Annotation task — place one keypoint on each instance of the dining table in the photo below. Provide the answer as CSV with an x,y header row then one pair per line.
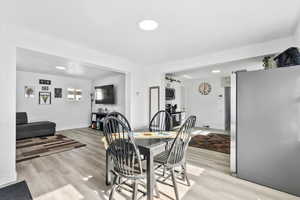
x,y
149,144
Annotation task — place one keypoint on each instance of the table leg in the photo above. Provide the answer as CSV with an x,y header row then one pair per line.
x,y
108,168
150,176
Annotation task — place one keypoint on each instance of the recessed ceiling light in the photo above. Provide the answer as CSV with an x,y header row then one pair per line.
x,y
60,67
148,25
215,71
187,76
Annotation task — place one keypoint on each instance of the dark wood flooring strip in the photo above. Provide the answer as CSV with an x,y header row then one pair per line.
x,y
27,158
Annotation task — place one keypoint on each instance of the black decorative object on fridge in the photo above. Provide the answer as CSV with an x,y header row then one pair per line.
x,y
289,57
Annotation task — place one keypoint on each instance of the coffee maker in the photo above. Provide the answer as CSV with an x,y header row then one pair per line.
x,y
169,108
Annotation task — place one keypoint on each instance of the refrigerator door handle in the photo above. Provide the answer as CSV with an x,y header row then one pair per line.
x,y
233,125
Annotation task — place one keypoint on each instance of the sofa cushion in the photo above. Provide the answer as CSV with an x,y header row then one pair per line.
x,y
35,129
37,125
21,118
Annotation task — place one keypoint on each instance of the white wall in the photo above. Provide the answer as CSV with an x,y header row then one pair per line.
x,y
7,105
209,109
297,35
66,114
119,87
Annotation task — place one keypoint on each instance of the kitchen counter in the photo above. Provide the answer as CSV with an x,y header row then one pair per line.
x,y
177,112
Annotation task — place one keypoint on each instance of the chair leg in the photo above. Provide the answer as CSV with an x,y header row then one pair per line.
x,y
135,190
156,189
185,174
119,180
175,184
187,180
113,187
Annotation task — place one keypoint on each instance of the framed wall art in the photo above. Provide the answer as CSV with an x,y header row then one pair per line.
x,y
44,82
57,92
44,88
74,94
29,92
45,98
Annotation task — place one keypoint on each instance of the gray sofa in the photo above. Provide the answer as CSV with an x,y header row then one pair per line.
x,y
35,129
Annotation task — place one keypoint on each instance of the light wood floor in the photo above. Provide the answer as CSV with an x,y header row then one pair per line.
x,y
80,175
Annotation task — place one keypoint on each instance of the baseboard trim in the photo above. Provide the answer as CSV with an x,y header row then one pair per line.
x,y
72,127
7,180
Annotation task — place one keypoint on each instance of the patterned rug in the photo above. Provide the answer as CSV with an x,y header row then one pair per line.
x,y
42,146
212,141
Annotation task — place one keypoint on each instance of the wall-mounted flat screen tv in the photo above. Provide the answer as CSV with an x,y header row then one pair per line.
x,y
105,94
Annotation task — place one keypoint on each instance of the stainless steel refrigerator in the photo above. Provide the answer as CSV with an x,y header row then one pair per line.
x,y
266,132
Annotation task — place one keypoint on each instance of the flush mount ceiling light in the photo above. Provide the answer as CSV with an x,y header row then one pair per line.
x,y
187,76
60,67
148,25
215,71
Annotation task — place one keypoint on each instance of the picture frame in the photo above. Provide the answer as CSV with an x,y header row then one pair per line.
x,y
57,92
45,88
29,92
45,98
44,82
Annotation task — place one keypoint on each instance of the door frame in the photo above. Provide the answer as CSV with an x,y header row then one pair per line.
x,y
150,102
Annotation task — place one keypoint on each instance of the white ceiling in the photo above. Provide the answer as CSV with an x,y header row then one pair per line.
x,y
225,68
186,28
32,61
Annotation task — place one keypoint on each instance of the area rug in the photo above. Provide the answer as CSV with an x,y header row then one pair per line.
x,y
42,146
212,141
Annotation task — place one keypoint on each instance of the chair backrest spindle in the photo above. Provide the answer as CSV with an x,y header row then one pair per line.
x,y
180,143
121,146
121,117
161,121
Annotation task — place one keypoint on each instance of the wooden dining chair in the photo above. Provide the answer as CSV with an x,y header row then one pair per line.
x,y
125,156
161,121
121,117
175,156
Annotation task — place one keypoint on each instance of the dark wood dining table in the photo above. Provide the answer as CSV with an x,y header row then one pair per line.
x,y
149,147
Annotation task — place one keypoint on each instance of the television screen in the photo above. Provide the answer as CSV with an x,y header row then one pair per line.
x,y
105,94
